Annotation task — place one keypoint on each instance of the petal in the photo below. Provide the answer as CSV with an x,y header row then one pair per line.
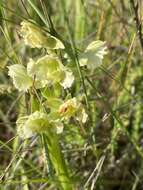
x,y
93,55
23,131
21,80
59,127
81,115
97,46
58,44
68,80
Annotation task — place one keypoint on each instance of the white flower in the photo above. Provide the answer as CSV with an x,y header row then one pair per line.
x,y
93,55
68,108
21,80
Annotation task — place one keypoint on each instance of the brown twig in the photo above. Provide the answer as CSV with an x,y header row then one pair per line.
x,y
138,22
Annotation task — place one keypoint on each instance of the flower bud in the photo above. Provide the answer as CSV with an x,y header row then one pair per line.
x,y
73,108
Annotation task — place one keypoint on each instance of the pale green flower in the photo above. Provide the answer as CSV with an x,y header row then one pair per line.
x,y
47,68
73,108
21,80
37,38
93,55
69,108
35,123
50,70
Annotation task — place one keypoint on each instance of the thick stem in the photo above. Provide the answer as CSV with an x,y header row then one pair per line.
x,y
58,162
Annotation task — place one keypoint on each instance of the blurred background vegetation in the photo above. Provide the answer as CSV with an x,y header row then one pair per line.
x,y
109,156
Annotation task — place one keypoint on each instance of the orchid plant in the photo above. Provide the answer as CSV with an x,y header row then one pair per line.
x,y
44,75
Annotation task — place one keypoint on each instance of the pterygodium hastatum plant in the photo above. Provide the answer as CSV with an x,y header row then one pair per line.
x,y
43,75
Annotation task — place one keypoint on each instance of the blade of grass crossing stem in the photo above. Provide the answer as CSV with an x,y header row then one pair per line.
x,y
17,163
49,25
96,169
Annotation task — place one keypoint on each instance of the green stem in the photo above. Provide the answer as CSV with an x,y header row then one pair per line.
x,y
57,160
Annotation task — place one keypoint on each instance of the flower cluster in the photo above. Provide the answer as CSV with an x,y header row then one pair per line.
x,y
50,71
46,70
